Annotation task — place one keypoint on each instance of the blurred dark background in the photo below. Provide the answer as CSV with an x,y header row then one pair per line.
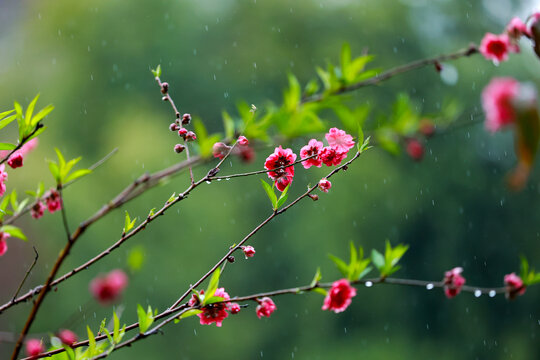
x,y
92,60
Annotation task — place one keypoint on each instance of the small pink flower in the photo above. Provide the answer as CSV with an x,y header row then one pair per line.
x,y
15,160
313,147
54,201
67,337
453,282
34,347
415,149
496,47
182,133
339,140
220,150
107,289
249,251
3,243
514,286
325,185
266,307
242,140
3,179
234,308
281,157
516,28
497,99
37,210
339,296
331,157
214,313
245,153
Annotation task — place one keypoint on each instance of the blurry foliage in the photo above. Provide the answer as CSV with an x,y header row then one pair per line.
x,y
92,62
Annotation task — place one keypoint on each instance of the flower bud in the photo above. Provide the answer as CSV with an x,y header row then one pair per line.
x,y
178,148
174,127
182,132
314,197
164,87
249,251
190,136
186,118
230,259
242,140
415,149
325,185
165,98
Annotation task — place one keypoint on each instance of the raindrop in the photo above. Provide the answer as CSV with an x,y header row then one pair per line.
x,y
88,48
369,284
255,65
227,179
218,179
430,286
492,293
208,182
195,332
477,293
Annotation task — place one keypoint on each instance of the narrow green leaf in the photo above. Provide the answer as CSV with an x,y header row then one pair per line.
x,y
213,299
212,285
61,160
341,265
13,231
228,125
5,122
172,198
13,199
41,114
145,318
7,146
321,291
37,133
30,110
6,113
53,167
378,259
189,313
271,194
317,277
91,342
136,257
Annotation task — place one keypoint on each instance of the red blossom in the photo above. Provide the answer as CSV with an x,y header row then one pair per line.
x,y
331,157
339,296
496,47
34,347
516,28
339,140
107,289
15,160
220,150
312,148
415,149
3,242
266,307
67,337
37,210
453,282
242,140
514,286
245,153
281,157
234,308
54,201
213,313
325,185
249,251
497,99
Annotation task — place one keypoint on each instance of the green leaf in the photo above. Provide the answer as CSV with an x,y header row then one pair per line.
x,y
345,58
213,299
6,113
341,265
378,259
7,146
228,125
271,194
320,291
291,96
78,174
41,114
128,223
316,278
136,257
172,198
152,212
188,313
157,71
5,122
212,286
283,197
13,231
146,318
91,342
30,110
55,171
37,133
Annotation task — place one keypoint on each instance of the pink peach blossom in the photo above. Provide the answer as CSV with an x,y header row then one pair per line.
x,y
234,308
242,140
453,282
514,285
54,201
15,160
249,251
325,185
213,313
67,337
339,296
331,157
281,157
497,99
496,47
415,149
516,28
312,148
339,140
34,347
37,210
220,150
107,289
266,307
3,243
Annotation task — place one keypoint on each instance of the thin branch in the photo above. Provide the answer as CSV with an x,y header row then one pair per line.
x,y
470,50
27,273
39,125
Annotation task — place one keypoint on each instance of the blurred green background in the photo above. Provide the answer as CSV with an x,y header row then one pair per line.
x,y
91,59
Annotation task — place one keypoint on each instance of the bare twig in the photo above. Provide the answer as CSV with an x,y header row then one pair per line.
x,y
27,273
